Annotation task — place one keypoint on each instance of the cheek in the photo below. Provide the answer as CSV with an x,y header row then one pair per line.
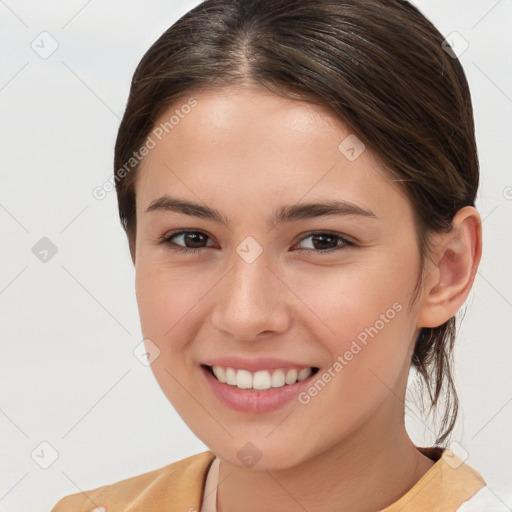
x,y
349,300
361,316
369,354
166,310
166,305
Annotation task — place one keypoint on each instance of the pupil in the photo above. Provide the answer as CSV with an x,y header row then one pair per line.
x,y
193,235
322,239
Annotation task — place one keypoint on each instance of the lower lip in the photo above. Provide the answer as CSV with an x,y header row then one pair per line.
x,y
245,400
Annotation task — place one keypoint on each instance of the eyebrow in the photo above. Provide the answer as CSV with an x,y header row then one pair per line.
x,y
287,213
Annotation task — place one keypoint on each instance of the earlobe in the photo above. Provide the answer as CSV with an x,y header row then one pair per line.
x,y
458,256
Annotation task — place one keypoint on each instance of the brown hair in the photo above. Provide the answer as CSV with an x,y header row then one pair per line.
x,y
378,65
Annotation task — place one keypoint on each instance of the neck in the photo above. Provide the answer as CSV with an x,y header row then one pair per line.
x,y
368,471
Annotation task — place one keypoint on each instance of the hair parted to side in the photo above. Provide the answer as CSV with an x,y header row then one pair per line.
x,y
378,65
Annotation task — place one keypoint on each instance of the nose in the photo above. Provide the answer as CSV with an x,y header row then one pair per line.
x,y
251,301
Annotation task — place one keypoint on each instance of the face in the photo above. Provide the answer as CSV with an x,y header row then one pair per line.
x,y
266,287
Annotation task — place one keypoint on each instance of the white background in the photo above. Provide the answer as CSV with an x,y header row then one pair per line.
x,y
68,326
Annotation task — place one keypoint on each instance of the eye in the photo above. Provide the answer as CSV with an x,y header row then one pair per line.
x,y
323,242
195,239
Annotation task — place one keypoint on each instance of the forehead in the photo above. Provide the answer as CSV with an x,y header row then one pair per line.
x,y
259,147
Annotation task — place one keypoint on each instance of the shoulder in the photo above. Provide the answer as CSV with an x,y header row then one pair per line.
x,y
488,500
177,486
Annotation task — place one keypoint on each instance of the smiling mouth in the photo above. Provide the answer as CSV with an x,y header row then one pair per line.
x,y
260,380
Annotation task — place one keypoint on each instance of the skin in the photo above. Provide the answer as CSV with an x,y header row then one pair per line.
x,y
246,152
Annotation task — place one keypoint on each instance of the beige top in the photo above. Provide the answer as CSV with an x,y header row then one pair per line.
x,y
209,503
190,485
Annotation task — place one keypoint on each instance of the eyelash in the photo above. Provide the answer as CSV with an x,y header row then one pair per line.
x,y
166,240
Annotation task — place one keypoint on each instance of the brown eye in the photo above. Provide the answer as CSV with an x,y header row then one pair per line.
x,y
186,241
325,242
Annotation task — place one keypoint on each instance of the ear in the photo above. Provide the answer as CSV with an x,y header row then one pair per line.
x,y
455,262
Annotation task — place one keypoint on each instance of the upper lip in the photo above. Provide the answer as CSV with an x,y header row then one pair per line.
x,y
255,363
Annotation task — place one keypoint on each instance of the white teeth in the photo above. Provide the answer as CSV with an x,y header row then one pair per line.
x,y
219,373
304,374
262,379
278,378
243,379
230,376
291,376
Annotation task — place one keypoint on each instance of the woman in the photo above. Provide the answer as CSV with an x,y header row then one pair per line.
x,y
297,181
